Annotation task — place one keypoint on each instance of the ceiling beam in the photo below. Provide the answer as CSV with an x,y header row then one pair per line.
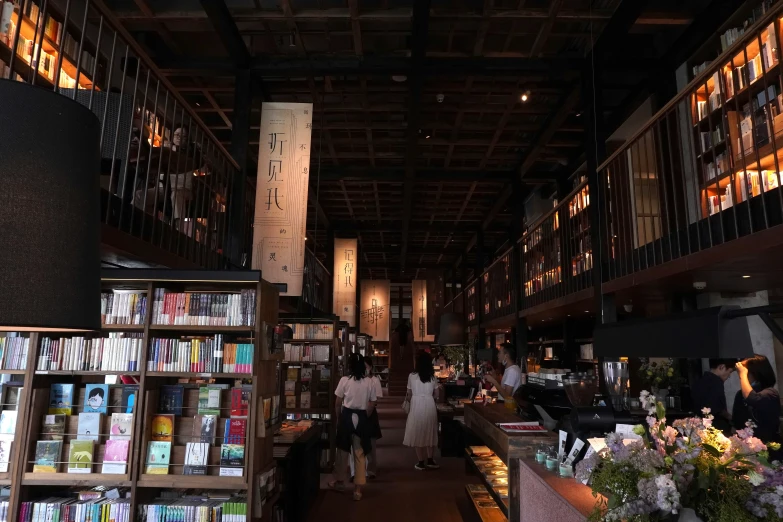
x,y
420,27
227,31
160,27
546,28
429,226
397,175
313,196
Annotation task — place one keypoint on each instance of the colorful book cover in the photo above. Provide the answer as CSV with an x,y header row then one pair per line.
x,y
130,395
163,428
53,427
290,387
307,374
89,427
292,374
80,456
96,397
232,460
304,399
171,397
290,401
209,400
8,424
267,410
61,399
325,373
5,454
196,454
47,456
121,425
205,428
115,457
158,456
240,399
237,428
275,408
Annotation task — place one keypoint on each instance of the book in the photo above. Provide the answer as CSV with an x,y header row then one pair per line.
x,y
290,401
290,387
96,398
115,457
130,394
8,424
171,397
240,401
307,374
275,409
118,352
205,428
521,427
209,400
89,427
121,425
305,387
158,456
196,454
80,456
304,399
61,399
292,374
267,411
53,427
5,454
47,456
162,427
235,434
232,460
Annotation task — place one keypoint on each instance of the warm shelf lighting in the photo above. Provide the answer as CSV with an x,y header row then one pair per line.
x,y
746,277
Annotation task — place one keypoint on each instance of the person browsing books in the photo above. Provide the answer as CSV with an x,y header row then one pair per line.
x,y
356,398
512,375
375,425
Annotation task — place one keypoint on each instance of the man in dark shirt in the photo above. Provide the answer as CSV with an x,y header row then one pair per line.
x,y
708,393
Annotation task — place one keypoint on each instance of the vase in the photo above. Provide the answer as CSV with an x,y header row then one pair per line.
x,y
660,395
688,515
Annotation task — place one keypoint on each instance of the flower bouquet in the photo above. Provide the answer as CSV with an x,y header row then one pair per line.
x,y
660,374
688,465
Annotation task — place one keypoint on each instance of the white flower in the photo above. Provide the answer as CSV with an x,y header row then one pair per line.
x,y
755,478
705,411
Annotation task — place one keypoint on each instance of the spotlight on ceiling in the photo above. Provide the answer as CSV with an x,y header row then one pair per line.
x,y
399,78
525,96
746,277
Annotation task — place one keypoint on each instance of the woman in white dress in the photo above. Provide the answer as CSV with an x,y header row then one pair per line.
x,y
421,429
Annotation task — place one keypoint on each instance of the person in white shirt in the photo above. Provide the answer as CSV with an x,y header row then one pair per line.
x,y
355,402
512,375
375,425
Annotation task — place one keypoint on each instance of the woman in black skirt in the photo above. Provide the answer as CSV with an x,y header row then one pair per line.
x,y
375,425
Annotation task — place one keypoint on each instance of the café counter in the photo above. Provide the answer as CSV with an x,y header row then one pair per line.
x,y
535,494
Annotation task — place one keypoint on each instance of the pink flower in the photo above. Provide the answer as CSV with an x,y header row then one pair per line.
x,y
669,435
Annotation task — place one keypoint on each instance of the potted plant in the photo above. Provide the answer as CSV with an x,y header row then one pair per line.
x,y
686,471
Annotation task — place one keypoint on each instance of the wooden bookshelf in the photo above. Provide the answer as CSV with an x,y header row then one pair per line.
x,y
33,404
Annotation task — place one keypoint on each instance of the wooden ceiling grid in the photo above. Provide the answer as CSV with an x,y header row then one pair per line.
x,y
413,177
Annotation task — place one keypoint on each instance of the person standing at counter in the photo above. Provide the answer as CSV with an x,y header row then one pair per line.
x,y
758,400
709,393
512,374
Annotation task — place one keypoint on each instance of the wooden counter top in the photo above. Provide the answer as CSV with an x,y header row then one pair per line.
x,y
577,495
483,420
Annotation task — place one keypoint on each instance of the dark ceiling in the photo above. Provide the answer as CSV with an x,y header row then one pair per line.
x,y
420,181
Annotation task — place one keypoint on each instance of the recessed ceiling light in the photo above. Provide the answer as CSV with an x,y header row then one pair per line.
x,y
746,277
198,104
399,78
587,311
427,137
525,96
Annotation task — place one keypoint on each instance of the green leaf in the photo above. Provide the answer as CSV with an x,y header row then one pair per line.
x,y
660,410
712,450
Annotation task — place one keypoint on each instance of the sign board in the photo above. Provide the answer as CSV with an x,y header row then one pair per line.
x,y
419,316
375,309
345,272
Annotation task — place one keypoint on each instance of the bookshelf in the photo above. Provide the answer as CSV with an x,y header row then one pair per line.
x,y
84,362
737,121
309,372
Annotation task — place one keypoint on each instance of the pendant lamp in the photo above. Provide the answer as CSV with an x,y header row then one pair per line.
x,y
451,331
49,211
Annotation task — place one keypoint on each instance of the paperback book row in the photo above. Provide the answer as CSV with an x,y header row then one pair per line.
x,y
204,309
123,308
200,355
13,353
306,352
89,431
204,431
318,331
120,352
311,394
66,509
189,509
8,418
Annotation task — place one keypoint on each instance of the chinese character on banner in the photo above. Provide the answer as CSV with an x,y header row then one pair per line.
x,y
281,193
375,316
344,280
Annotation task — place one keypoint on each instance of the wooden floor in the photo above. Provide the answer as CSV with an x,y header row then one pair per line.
x,y
401,493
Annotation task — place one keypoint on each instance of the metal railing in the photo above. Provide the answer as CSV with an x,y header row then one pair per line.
x,y
498,288
164,177
556,251
705,170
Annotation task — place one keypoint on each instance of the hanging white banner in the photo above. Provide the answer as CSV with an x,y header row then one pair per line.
x,y
419,312
281,194
375,309
345,270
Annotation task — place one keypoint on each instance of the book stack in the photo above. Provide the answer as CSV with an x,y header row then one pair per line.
x,y
200,355
195,510
53,29
13,352
318,331
306,352
123,308
202,309
76,510
119,352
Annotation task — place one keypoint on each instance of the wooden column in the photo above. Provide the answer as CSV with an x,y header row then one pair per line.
x,y
240,139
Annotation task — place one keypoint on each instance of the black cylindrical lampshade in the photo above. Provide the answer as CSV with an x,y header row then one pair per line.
x,y
49,211
452,331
